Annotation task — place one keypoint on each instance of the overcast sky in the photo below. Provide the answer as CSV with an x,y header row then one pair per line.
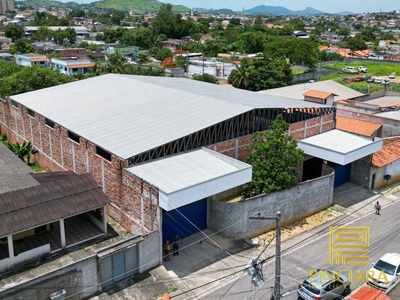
x,y
329,6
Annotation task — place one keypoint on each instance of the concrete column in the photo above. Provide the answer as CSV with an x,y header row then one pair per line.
x,y
104,220
10,246
62,233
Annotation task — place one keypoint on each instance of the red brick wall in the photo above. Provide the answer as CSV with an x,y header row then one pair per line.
x,y
236,148
57,152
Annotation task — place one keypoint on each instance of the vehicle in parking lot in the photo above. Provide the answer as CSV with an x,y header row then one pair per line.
x,y
378,80
367,77
370,79
359,79
390,265
362,69
351,80
351,70
392,76
386,81
324,285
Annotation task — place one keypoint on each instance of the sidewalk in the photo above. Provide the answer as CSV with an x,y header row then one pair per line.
x,y
204,259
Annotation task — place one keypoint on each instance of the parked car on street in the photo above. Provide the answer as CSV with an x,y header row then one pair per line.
x,y
358,79
362,69
370,79
351,80
392,76
378,80
366,77
324,285
386,81
389,264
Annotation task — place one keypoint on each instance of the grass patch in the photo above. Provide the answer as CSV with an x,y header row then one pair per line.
x,y
375,68
37,168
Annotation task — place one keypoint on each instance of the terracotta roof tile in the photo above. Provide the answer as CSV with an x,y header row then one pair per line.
x,y
356,126
389,152
40,59
367,293
82,66
318,94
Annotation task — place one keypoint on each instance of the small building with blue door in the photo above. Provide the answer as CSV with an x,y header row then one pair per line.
x,y
349,155
185,182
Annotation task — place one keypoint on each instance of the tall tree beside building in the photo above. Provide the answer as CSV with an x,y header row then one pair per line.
x,y
274,157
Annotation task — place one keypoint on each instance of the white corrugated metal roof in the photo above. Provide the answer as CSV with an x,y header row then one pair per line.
x,y
186,178
297,91
127,114
339,146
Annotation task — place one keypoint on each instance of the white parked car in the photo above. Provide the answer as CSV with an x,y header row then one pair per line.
x,y
392,76
362,69
378,80
385,271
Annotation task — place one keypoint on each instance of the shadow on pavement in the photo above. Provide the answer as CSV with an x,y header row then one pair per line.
x,y
349,194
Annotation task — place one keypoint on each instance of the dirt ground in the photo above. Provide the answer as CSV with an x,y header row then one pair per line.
x,y
299,226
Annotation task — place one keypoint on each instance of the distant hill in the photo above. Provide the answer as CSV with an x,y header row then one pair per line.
x,y
47,3
224,11
280,10
137,6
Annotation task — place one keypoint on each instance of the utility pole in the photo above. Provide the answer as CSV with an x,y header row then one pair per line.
x,y
277,290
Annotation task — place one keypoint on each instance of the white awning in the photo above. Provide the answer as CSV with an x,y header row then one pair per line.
x,y
339,147
192,176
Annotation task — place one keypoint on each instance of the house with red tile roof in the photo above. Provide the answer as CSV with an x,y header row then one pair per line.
x,y
359,127
319,97
367,293
386,162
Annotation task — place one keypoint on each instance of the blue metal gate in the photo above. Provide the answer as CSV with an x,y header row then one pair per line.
x,y
342,174
184,220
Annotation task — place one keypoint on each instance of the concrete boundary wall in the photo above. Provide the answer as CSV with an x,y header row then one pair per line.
x,y
295,203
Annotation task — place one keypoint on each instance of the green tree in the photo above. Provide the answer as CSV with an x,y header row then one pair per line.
x,y
42,34
297,51
143,37
164,53
250,42
14,32
31,79
21,46
274,157
205,77
356,43
261,73
142,58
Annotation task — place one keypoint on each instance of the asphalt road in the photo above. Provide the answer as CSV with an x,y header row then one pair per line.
x,y
314,254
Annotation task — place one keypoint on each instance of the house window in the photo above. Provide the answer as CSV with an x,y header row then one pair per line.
x,y
103,153
14,103
49,122
30,112
73,136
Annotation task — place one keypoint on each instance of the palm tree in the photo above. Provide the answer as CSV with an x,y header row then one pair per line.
x,y
22,150
239,77
115,64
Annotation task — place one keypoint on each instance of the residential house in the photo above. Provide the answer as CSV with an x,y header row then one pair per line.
x,y
27,233
32,59
385,165
5,43
71,66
